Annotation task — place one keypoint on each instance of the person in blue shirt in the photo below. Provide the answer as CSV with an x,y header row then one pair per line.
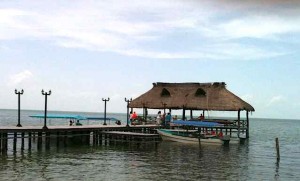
x,y
168,120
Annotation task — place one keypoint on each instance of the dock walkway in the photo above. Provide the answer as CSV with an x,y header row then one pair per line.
x,y
80,135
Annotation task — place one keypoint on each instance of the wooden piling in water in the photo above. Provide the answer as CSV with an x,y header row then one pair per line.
x,y
15,141
33,136
96,138
247,120
277,149
57,139
87,137
65,138
199,139
22,140
1,141
47,140
29,140
4,143
39,142
100,138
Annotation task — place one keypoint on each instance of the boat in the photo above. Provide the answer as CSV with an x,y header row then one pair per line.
x,y
193,136
181,136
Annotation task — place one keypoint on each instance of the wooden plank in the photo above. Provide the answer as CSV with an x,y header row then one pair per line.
x,y
129,133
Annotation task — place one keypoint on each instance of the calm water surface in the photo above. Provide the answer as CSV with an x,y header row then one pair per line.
x,y
255,160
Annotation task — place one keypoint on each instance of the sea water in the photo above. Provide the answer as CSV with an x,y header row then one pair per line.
x,y
254,160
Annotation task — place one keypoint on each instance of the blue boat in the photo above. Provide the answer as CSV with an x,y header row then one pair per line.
x,y
193,136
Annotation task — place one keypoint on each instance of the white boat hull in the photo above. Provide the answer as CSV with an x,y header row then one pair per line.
x,y
189,140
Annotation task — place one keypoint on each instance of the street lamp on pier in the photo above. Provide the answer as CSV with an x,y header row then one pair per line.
x,y
128,101
105,100
45,116
19,105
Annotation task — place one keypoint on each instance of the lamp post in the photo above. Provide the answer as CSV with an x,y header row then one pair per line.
x,y
45,117
105,100
19,105
128,101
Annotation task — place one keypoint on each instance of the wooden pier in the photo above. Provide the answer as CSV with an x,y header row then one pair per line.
x,y
79,135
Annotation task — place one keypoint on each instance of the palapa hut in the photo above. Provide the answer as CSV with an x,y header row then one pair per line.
x,y
192,96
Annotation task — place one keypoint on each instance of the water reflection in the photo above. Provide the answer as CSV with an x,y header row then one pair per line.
x,y
277,170
167,160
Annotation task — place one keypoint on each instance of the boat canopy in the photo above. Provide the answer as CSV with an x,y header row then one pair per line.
x,y
59,116
68,116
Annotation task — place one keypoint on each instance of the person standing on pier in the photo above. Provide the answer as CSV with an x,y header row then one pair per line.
x,y
201,117
158,118
78,123
133,117
130,117
168,120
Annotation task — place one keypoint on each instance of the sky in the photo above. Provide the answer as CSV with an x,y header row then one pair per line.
x,y
84,51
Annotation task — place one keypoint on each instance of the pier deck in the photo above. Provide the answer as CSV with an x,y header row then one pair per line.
x,y
80,135
72,128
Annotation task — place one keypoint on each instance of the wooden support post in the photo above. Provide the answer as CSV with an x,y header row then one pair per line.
x,y
105,139
183,113
144,117
247,131
94,138
239,123
277,149
65,138
1,136
15,141
83,137
97,137
110,139
33,136
47,140
22,140
57,139
29,140
146,114
199,137
39,142
4,143
100,137
87,137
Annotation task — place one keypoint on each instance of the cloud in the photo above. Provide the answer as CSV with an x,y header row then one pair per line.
x,y
20,77
261,27
142,28
275,99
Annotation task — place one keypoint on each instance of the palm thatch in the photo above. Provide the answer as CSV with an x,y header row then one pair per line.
x,y
191,96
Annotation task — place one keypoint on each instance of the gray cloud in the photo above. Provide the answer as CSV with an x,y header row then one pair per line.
x,y
139,28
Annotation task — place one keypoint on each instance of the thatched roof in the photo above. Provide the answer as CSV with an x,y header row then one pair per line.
x,y
194,96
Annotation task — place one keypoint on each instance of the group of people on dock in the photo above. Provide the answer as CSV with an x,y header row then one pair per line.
x,y
164,119
72,123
